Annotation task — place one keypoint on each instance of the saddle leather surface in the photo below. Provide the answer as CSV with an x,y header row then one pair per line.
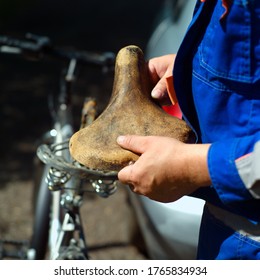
x,y
130,110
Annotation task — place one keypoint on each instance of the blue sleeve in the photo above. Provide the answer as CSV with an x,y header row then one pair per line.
x,y
226,177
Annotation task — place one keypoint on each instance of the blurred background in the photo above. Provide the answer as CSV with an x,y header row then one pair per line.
x,y
83,24
88,24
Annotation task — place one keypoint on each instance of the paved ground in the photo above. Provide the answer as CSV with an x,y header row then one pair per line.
x,y
91,25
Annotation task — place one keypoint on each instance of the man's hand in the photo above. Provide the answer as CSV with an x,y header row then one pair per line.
x,y
167,169
160,68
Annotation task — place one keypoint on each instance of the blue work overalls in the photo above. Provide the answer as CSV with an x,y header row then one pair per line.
x,y
217,82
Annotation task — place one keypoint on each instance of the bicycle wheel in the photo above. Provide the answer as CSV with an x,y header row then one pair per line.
x,y
42,204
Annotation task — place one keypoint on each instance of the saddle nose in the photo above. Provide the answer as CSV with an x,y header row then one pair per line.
x,y
130,110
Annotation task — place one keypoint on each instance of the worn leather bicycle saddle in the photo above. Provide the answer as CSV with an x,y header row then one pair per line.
x,y
130,110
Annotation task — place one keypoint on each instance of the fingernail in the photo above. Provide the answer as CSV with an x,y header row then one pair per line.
x,y
156,93
120,139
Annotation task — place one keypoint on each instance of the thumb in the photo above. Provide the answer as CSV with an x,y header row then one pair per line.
x,y
132,143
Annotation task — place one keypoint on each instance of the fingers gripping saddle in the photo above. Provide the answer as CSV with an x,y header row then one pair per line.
x,y
130,110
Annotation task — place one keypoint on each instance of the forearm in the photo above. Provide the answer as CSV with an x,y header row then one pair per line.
x,y
196,164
